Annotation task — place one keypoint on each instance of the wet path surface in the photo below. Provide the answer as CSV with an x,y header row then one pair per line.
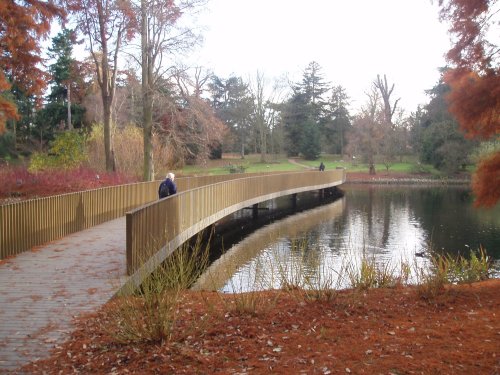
x,y
43,290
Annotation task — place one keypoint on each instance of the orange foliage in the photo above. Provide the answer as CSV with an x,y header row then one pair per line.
x,y
23,25
468,26
474,98
475,102
486,183
8,109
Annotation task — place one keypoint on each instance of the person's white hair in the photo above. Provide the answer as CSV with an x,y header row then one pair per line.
x,y
171,176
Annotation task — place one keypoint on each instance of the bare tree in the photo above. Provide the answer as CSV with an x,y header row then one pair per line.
x,y
367,133
260,114
386,93
161,36
107,24
190,125
264,111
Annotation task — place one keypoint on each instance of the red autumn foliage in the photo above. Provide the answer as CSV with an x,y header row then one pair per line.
x,y
18,182
7,109
475,102
23,25
474,98
486,182
467,25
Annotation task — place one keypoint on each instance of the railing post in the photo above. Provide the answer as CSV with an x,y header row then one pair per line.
x,y
129,238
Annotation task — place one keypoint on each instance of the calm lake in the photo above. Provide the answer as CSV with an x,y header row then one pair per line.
x,y
383,223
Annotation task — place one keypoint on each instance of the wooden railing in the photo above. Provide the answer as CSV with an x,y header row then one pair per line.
x,y
34,222
30,223
157,229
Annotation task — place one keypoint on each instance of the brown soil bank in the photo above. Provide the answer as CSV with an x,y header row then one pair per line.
x,y
379,331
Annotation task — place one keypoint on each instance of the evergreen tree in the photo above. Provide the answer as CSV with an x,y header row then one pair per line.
x,y
26,107
233,104
442,144
60,70
314,88
306,105
294,115
310,146
60,110
338,121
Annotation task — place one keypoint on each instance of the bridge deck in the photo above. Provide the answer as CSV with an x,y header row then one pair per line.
x,y
41,291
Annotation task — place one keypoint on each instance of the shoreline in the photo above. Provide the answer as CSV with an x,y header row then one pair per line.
x,y
402,179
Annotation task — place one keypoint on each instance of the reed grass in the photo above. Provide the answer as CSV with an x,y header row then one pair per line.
x,y
246,298
370,274
308,278
149,313
454,269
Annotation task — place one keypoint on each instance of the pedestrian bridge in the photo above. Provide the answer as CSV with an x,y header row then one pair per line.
x,y
66,255
154,228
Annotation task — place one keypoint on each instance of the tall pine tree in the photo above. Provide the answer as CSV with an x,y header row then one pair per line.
x,y
304,113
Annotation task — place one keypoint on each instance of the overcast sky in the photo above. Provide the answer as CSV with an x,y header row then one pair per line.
x,y
352,40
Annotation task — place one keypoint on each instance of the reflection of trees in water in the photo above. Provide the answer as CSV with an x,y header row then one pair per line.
x,y
452,222
304,252
272,243
373,214
444,215
390,223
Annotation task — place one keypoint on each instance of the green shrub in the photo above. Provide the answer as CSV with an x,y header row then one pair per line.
x,y
370,275
236,168
7,145
67,151
468,270
453,269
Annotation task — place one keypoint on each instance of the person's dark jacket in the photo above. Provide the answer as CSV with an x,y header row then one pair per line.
x,y
170,188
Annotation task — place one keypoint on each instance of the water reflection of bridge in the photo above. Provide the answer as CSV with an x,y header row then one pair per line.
x,y
64,255
224,268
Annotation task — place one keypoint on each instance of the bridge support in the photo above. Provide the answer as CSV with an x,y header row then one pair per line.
x,y
322,194
294,200
255,211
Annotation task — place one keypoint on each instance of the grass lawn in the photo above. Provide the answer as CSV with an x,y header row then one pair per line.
x,y
409,165
251,164
275,163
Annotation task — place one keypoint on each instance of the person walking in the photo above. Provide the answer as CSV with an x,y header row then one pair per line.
x,y
167,186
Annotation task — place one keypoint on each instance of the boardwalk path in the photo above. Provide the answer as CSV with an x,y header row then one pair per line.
x,y
41,291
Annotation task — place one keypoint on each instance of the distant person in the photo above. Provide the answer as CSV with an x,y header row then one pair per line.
x,y
321,167
167,186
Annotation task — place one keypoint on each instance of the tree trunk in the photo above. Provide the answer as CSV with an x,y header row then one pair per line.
x,y
106,84
371,164
147,103
70,125
110,163
263,143
341,141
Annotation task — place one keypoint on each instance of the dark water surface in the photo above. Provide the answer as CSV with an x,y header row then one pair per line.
x,y
384,223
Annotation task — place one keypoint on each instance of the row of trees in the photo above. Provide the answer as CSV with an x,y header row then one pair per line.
x,y
196,114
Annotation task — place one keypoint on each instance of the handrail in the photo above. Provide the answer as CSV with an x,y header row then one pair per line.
x,y
33,222
157,229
